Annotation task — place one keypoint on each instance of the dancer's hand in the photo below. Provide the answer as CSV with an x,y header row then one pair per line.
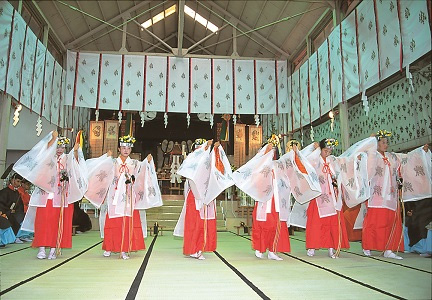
x,y
217,144
109,153
149,157
426,147
316,145
209,142
53,138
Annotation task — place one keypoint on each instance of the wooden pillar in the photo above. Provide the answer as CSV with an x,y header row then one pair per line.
x,y
5,105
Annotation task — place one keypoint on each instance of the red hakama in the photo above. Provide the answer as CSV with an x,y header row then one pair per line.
x,y
382,230
114,231
47,224
350,216
271,234
199,234
324,232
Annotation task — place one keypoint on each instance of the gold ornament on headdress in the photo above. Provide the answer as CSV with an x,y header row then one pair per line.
x,y
127,140
383,134
274,140
62,141
331,143
291,144
199,142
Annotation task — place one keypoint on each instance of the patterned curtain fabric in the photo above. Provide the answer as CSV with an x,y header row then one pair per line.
x,y
200,85
388,37
324,83
223,97
336,70
15,56
295,99
304,94
349,53
282,86
368,46
245,88
416,33
178,86
314,94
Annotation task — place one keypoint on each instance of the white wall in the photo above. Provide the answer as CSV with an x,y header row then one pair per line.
x,y
23,135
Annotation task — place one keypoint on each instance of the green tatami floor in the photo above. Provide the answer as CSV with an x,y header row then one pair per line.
x,y
232,272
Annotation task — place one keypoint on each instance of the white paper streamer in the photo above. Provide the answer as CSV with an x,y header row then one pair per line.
x,y
257,120
39,126
120,115
365,103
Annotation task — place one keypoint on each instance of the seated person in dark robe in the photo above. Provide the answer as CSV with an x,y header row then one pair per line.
x,y
81,219
7,235
418,217
11,204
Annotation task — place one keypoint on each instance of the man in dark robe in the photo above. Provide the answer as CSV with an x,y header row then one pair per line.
x,y
11,204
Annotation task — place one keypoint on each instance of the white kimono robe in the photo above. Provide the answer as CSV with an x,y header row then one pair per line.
x,y
44,169
265,179
415,169
107,177
350,171
205,181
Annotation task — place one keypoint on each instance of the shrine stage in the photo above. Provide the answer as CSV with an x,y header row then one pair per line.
x,y
231,272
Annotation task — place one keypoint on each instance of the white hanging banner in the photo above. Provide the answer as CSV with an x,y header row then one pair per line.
x,y
15,56
38,78
245,96
314,86
295,114
282,86
416,34
304,95
336,66
178,87
349,51
27,69
200,85
62,107
133,82
324,84
5,28
266,87
87,80
290,100
55,98
368,45
222,86
156,70
110,82
389,39
47,90
70,77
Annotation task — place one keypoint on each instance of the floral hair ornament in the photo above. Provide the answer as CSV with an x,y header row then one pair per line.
x,y
331,143
291,144
199,142
383,134
274,139
127,141
62,141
